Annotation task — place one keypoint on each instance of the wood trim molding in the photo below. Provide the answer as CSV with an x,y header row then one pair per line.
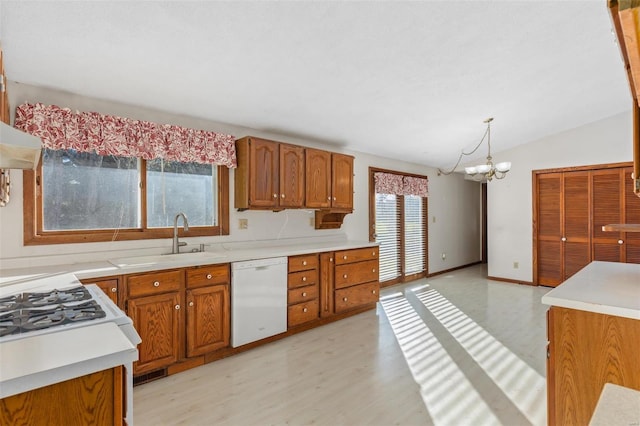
x,y
453,269
510,280
583,168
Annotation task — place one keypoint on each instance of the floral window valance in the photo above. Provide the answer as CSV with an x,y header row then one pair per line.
x,y
61,128
390,183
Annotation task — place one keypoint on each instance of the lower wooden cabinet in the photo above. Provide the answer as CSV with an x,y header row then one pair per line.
x,y
208,319
302,294
179,314
357,295
110,286
157,320
94,399
587,350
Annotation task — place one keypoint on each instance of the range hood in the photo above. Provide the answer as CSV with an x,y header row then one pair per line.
x,y
18,150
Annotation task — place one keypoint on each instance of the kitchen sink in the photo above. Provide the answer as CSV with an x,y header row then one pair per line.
x,y
184,259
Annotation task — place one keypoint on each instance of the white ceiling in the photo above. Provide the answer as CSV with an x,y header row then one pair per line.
x,y
406,80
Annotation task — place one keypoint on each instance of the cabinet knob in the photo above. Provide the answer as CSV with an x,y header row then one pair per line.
x,y
304,279
563,239
373,270
209,276
344,276
275,195
304,263
328,198
304,294
281,195
156,284
190,303
114,289
373,291
177,307
620,241
344,299
331,259
373,253
334,198
344,257
304,309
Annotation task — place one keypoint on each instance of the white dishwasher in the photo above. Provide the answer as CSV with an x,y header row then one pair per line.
x,y
258,299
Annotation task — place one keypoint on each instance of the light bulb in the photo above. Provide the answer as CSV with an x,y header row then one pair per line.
x,y
503,167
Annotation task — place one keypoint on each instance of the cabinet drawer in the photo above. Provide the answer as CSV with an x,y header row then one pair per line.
x,y
303,263
154,283
304,278
357,255
202,276
355,296
356,273
302,294
302,312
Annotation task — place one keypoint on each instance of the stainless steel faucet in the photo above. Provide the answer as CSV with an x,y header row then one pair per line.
x,y
177,244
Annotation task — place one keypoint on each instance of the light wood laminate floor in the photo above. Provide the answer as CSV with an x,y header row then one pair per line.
x,y
455,349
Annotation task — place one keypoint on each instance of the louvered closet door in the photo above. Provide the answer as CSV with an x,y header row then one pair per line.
x,y
549,229
576,222
632,215
607,207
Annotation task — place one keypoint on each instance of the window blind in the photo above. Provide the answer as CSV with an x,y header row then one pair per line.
x,y
388,235
413,235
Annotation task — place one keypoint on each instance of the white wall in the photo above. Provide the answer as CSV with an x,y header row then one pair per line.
x,y
454,202
510,211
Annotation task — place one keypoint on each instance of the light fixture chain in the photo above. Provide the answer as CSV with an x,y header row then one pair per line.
x,y
462,153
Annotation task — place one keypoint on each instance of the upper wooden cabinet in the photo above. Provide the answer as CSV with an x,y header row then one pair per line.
x,y
270,175
276,176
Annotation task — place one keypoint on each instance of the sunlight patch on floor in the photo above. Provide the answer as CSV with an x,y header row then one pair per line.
x,y
447,393
517,380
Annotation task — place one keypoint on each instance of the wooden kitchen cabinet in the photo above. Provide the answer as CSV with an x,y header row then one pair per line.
x,y
96,399
326,281
341,181
154,302
303,290
356,278
318,179
208,318
110,286
270,175
585,351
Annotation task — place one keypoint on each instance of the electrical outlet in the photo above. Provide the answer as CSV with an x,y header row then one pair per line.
x,y
444,256
243,223
516,265
312,221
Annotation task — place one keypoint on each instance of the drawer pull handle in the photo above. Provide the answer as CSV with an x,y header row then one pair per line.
x,y
373,291
304,263
191,303
563,239
373,253
344,276
304,309
209,276
344,257
620,241
177,307
344,299
114,289
304,294
156,284
373,270
304,279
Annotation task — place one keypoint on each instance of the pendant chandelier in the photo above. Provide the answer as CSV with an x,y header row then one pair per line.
x,y
488,170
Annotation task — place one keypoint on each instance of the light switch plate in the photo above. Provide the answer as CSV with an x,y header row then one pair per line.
x,y
243,223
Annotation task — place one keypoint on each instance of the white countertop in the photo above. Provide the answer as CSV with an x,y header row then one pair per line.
x,y
38,361
617,406
602,287
225,253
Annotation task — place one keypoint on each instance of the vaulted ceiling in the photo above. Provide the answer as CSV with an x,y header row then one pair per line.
x,y
410,80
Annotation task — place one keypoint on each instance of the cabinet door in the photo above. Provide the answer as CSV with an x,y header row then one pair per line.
x,y
607,207
263,171
342,181
327,268
318,178
576,250
157,320
549,229
631,215
208,319
110,287
291,176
